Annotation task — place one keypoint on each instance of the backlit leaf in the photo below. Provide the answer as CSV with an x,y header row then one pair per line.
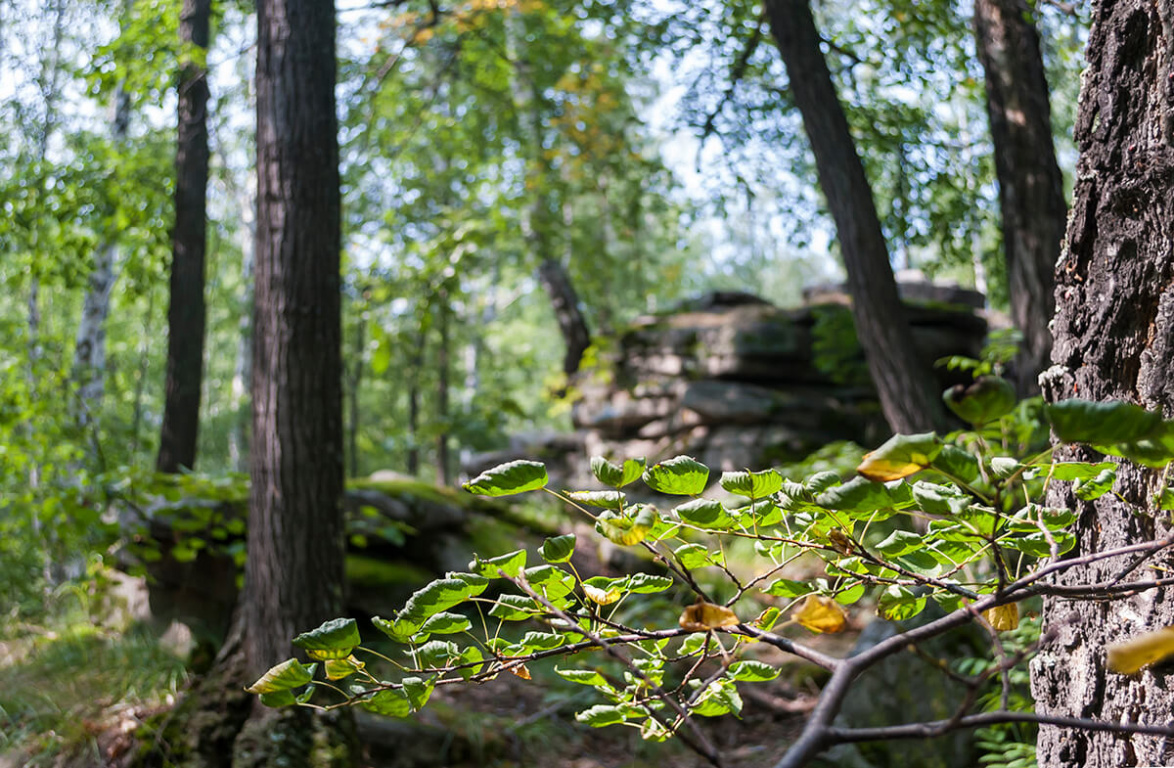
x,y
1003,617
509,478
558,549
900,456
1130,656
283,677
679,476
334,639
616,475
821,614
700,617
755,485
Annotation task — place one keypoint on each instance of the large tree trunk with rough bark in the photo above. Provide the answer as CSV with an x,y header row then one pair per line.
x,y
1114,338
185,314
909,395
1031,187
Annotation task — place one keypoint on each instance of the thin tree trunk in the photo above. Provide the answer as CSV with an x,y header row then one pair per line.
x,y
1031,187
442,350
186,312
1114,338
242,375
555,279
415,366
355,381
908,393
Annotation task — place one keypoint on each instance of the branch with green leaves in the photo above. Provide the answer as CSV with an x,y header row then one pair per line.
x,y
954,521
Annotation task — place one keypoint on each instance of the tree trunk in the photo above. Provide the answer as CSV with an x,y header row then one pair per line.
x,y
442,459
1031,188
242,374
294,571
89,357
557,281
185,314
1114,338
416,370
908,393
354,384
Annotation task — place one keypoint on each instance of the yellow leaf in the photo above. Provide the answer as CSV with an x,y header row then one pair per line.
x,y
521,671
821,614
603,596
884,470
701,617
1003,617
1131,655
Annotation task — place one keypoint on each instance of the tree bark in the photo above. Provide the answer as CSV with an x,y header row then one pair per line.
x,y
1114,338
294,571
1031,187
557,281
186,312
89,357
905,384
442,366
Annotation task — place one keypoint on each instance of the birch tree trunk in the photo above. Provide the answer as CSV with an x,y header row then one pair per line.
x,y
1114,338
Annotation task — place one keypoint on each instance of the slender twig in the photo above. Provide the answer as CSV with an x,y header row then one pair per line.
x,y
934,728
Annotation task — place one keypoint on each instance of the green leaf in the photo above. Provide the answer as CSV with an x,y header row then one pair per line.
x,y
679,476
477,584
542,641
511,564
647,584
987,399
390,703
692,555
850,594
334,639
509,478
279,699
764,513
1094,488
1003,467
900,456
753,672
705,513
605,499
861,496
816,484
583,677
550,582
719,698
756,485
446,624
940,500
788,588
513,608
558,549
418,691
601,715
1084,421
285,676
899,543
955,462
616,475
629,528
399,630
438,654
897,603
471,655
1076,470
438,596
340,669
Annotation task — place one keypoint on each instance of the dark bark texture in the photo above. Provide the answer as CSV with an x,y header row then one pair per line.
x,y
909,397
294,574
565,301
1114,338
186,312
1031,188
